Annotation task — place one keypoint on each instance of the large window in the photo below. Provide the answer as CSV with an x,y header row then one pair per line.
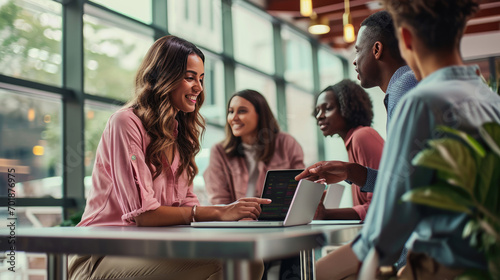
x,y
30,40
298,59
331,70
214,107
139,10
30,143
112,56
246,79
301,123
253,39
198,21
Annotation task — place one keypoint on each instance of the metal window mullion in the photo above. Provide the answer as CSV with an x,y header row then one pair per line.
x,y
228,49
160,18
316,88
493,74
279,77
73,148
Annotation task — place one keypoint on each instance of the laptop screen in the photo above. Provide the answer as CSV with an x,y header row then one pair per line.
x,y
280,187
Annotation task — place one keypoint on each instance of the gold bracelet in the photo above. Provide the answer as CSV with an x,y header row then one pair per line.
x,y
193,214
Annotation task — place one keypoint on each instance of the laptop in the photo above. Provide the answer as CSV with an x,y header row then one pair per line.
x,y
332,200
293,203
333,196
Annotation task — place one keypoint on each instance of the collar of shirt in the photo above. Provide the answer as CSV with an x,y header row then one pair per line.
x,y
400,72
457,72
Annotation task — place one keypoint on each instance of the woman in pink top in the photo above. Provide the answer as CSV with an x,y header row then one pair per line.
x,y
144,170
253,145
345,109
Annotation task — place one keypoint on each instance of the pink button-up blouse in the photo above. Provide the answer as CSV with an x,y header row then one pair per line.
x,y
123,185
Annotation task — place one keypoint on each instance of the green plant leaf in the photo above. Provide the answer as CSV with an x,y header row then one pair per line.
x,y
474,274
493,257
467,182
453,161
490,132
489,240
473,143
441,196
431,159
487,189
471,227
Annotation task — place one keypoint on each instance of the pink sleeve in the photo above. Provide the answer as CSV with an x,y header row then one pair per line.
x,y
296,154
367,146
131,178
191,198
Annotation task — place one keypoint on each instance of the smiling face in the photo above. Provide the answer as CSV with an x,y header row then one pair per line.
x,y
328,115
184,98
364,62
243,119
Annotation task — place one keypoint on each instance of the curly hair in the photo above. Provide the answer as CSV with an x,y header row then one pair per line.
x,y
380,27
440,24
354,103
267,127
160,73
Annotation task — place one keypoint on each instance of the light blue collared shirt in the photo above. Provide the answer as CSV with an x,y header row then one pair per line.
x,y
453,96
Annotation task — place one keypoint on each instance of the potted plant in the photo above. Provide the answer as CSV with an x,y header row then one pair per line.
x,y
468,181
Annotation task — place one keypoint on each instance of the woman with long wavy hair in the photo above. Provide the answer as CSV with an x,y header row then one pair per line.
x,y
144,169
253,145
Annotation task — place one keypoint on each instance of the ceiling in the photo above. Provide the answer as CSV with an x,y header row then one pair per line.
x,y
486,20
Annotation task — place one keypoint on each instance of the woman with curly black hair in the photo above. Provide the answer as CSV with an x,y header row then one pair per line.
x,y
345,109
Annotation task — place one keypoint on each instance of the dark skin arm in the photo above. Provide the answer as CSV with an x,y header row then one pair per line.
x,y
245,208
333,172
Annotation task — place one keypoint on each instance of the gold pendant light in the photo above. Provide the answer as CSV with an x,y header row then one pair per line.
x,y
349,36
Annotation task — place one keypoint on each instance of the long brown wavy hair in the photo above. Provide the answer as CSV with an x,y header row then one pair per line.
x,y
160,73
267,127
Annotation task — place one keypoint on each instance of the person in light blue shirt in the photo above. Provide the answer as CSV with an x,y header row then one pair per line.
x,y
454,96
449,93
